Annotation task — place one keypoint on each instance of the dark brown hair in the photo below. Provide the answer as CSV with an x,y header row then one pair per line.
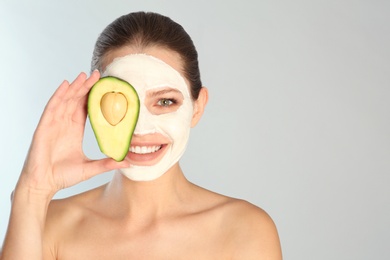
x,y
142,30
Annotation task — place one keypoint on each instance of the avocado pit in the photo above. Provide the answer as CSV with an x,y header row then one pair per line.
x,y
114,107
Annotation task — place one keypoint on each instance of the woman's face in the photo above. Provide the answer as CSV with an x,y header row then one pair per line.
x,y
166,108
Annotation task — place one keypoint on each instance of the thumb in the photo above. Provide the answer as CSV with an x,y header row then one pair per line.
x,y
96,167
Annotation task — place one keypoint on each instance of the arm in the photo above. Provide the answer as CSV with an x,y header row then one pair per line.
x,y
55,161
25,229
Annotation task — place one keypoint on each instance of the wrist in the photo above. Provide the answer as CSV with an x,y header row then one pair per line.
x,y
33,189
29,203
31,195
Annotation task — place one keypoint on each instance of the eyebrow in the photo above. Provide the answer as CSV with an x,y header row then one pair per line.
x,y
163,92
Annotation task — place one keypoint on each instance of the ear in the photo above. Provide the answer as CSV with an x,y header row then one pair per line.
x,y
199,106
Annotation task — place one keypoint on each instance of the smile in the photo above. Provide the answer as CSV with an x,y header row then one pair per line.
x,y
145,149
146,154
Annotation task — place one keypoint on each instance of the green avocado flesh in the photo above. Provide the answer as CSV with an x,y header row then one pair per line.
x,y
113,108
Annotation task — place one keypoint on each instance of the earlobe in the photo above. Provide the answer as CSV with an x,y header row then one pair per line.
x,y
199,106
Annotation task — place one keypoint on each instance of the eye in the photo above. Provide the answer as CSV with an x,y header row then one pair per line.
x,y
163,100
166,102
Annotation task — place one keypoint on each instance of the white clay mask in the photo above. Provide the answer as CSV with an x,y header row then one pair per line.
x,y
149,75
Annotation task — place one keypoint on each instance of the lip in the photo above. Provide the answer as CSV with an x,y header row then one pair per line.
x,y
147,158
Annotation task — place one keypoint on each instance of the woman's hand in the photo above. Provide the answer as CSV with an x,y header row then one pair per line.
x,y
56,159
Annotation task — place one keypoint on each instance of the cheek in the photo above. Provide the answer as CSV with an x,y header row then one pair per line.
x,y
176,124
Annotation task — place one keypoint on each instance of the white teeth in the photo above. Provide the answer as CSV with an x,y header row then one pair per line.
x,y
144,149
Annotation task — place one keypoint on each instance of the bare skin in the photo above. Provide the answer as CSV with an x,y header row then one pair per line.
x,y
175,221
168,218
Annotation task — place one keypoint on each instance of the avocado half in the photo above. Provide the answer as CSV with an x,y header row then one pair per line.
x,y
113,108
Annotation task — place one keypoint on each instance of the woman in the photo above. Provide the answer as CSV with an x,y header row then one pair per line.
x,y
149,210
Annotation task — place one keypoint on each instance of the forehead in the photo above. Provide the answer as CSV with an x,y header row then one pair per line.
x,y
146,72
170,57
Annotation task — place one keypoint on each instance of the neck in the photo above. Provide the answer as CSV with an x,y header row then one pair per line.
x,y
150,199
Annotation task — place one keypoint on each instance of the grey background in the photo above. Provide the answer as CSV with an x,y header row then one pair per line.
x,y
297,121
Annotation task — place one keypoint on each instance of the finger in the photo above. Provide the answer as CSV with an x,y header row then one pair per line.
x,y
58,95
76,85
88,84
79,100
81,105
78,90
52,107
95,167
95,76
80,114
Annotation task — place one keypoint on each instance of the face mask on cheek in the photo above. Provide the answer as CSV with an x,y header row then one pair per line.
x,y
146,73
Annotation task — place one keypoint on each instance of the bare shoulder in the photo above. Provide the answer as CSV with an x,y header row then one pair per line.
x,y
255,233
247,230
252,232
